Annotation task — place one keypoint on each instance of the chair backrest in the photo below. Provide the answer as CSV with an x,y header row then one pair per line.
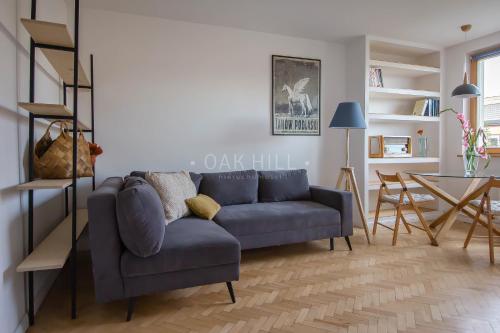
x,y
484,190
390,178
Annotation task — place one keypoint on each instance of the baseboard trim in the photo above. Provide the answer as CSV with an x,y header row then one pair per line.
x,y
23,325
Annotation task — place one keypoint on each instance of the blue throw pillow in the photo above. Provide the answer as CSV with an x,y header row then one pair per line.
x,y
231,188
283,185
141,219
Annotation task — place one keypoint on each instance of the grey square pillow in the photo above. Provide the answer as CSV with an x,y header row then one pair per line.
x,y
283,185
231,188
141,220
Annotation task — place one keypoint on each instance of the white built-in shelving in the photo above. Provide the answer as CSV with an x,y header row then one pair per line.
x,y
397,118
374,185
402,93
410,72
402,69
403,160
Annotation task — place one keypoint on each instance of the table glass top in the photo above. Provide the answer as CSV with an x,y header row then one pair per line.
x,y
479,174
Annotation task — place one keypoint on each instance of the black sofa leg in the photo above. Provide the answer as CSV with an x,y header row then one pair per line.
x,y
231,291
332,244
348,242
130,310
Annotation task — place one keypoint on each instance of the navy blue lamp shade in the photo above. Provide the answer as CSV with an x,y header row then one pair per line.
x,y
348,115
466,89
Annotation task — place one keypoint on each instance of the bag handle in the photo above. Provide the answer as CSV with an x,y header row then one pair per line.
x,y
52,123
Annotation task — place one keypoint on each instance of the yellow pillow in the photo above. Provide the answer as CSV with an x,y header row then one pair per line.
x,y
203,206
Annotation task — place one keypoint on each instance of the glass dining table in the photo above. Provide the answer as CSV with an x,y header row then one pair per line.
x,y
446,220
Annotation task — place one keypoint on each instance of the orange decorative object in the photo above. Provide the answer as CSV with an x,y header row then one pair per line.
x,y
95,150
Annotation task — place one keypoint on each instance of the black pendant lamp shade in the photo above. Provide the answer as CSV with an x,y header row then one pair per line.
x,y
466,90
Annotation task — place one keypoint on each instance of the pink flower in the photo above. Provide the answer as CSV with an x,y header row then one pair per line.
x,y
466,126
482,152
461,117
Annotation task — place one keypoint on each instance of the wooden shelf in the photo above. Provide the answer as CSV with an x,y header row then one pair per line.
x,y
374,185
381,117
48,32
403,160
51,110
56,34
54,250
402,93
401,69
45,184
47,109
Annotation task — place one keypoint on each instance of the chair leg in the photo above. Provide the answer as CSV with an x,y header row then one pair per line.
x,y
348,241
130,310
423,221
396,226
490,238
332,244
407,226
231,291
375,221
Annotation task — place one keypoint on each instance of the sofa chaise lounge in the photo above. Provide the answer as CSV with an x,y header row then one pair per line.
x,y
259,209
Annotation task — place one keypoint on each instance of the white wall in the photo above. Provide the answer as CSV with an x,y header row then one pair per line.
x,y
11,226
455,61
14,86
170,92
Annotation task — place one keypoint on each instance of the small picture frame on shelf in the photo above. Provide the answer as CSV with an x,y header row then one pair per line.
x,y
376,146
376,79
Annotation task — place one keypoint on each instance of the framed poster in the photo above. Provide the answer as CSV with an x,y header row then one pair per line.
x,y
296,96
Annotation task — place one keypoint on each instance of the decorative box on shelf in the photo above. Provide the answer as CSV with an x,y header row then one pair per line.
x,y
389,146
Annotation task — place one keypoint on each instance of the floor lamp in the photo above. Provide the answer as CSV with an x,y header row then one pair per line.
x,y
349,116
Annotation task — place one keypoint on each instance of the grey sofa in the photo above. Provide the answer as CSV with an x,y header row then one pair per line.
x,y
258,210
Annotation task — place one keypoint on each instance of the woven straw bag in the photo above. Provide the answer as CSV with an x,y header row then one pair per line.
x,y
54,158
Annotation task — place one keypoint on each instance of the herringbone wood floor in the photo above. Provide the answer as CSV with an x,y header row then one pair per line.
x,y
413,287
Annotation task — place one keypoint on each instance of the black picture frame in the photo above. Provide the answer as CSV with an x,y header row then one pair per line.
x,y
297,120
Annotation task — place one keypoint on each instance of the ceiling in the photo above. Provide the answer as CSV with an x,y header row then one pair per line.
x,y
427,21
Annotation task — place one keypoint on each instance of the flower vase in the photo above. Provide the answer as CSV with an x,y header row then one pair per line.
x,y
422,145
471,162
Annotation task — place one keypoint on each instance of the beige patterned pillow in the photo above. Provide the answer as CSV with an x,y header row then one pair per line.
x,y
174,188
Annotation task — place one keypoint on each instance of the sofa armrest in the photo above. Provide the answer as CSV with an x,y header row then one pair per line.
x,y
340,200
105,243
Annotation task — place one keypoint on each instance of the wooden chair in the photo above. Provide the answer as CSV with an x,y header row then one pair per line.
x,y
489,208
401,200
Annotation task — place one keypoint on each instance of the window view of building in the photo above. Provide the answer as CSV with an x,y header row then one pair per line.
x,y
489,101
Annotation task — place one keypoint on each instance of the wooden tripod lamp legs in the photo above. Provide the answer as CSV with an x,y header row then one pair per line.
x,y
352,186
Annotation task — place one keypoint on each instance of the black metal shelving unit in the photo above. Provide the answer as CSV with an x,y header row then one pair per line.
x,y
72,226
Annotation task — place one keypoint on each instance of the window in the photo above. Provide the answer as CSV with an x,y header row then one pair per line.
x,y
485,110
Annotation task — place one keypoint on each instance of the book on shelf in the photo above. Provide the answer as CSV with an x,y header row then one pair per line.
x,y
427,107
376,79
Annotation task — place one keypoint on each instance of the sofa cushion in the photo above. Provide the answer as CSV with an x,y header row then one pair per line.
x,y
283,185
231,188
195,177
203,206
174,188
141,221
189,243
133,181
268,217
